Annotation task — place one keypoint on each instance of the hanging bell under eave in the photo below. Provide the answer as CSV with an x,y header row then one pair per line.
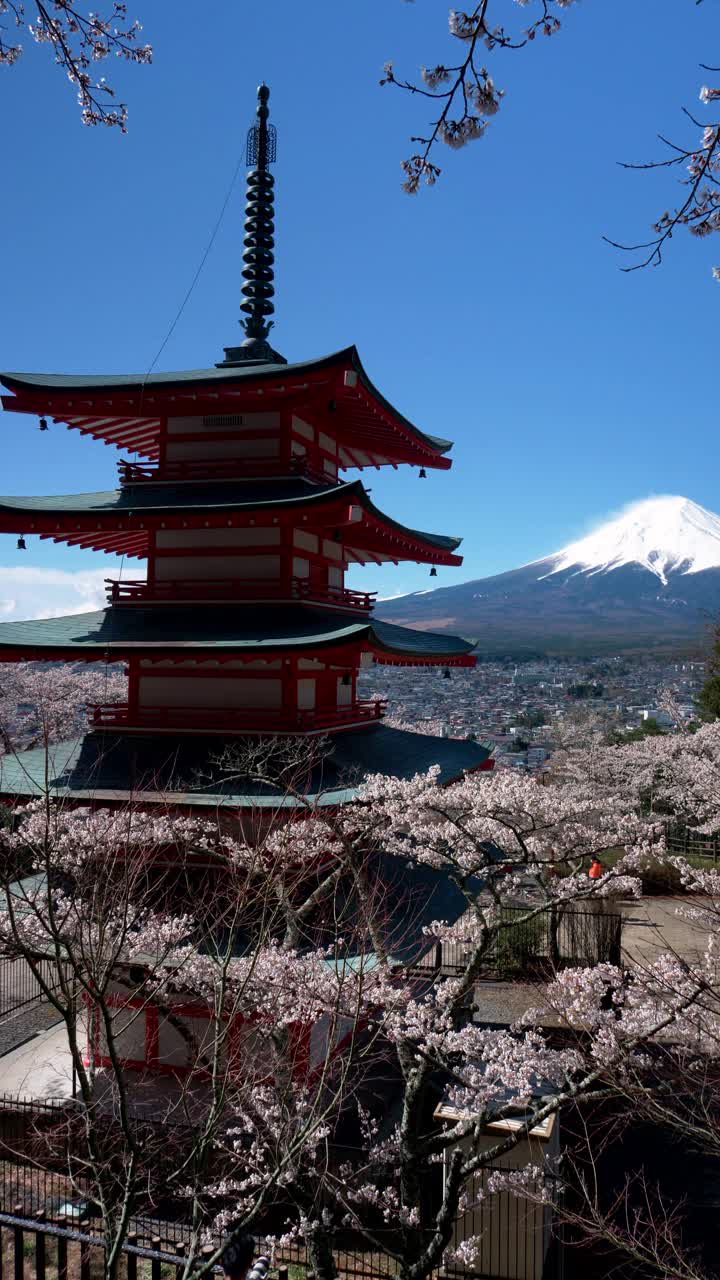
x,y
21,543
43,425
446,673
433,572
422,474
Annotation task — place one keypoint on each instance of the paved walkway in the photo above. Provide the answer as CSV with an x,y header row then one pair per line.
x,y
654,925
42,1068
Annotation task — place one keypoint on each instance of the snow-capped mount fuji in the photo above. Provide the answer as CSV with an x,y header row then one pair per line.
x,y
648,577
663,535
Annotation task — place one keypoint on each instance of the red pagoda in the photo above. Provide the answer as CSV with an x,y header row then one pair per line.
x,y
243,624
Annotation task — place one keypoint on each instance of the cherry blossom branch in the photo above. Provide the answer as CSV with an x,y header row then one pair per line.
x,y
700,211
471,97
80,39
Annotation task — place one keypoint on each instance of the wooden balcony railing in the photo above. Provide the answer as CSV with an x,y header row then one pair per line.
x,y
118,715
231,590
132,473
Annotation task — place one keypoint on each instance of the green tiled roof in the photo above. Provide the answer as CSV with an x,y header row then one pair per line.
x,y
225,374
211,497
107,766
218,627
130,381
171,497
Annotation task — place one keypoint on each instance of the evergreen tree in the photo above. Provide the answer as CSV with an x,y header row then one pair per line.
x,y
708,700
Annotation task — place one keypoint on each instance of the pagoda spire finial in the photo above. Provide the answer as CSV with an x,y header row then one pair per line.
x,y
258,275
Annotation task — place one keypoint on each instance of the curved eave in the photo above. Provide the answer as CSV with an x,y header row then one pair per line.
x,y
179,633
126,410
406,646
108,769
99,522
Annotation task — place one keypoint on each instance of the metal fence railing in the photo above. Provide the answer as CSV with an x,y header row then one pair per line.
x,y
19,986
529,945
688,843
56,1249
42,1201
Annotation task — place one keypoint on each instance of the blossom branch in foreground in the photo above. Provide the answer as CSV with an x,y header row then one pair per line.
x,y
465,90
700,210
79,39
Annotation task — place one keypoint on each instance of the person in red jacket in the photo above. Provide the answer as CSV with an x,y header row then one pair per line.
x,y
595,870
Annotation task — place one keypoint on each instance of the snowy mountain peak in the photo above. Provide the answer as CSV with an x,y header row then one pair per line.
x,y
664,535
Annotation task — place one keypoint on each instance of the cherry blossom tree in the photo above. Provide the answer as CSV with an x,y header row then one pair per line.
x,y
305,935
41,705
79,38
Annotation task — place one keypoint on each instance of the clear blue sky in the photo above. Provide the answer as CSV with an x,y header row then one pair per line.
x,y
488,309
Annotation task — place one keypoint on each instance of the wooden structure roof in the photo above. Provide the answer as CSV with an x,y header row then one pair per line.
x,y
180,631
107,768
119,520
126,410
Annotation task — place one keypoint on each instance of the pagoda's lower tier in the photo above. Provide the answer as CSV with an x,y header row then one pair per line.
x,y
189,773
115,634
239,669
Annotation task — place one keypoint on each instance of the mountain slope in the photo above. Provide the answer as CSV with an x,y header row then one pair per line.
x,y
649,578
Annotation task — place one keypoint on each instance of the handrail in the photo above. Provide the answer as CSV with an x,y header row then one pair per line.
x,y
139,591
131,473
118,715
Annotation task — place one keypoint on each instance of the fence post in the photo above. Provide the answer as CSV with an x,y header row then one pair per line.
x,y
180,1265
18,1250
553,931
40,1247
156,1265
84,1260
207,1251
131,1239
62,1267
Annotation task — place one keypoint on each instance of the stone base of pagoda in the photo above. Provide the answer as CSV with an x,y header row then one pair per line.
x,y
182,771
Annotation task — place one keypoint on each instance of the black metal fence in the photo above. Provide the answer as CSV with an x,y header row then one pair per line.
x,y
19,986
60,1250
45,1249
531,945
688,843
42,1147
41,1202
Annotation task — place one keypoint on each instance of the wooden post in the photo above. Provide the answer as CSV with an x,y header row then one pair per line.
x,y
18,1247
62,1258
207,1251
84,1260
131,1257
180,1267
156,1265
40,1247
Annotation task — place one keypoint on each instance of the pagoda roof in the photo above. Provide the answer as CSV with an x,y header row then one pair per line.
x,y
228,629
109,767
96,519
126,409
